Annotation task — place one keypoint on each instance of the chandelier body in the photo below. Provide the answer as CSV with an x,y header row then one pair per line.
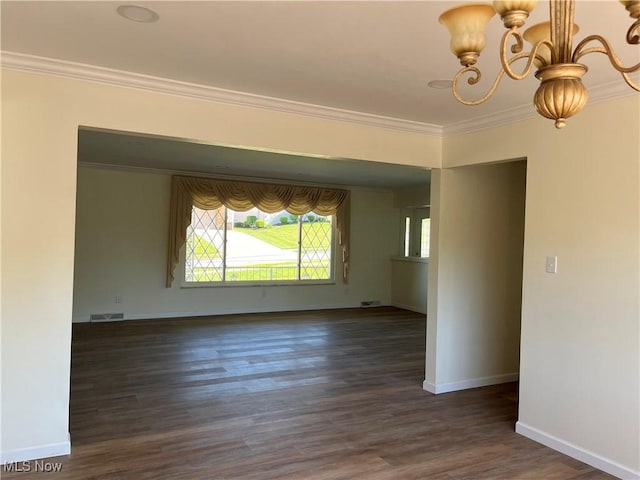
x,y
561,93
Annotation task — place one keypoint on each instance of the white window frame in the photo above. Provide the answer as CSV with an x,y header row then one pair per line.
x,y
411,246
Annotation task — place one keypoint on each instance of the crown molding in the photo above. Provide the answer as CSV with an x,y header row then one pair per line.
x,y
597,94
92,73
484,122
80,71
610,91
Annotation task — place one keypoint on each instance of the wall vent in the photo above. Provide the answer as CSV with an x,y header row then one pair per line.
x,y
106,317
369,303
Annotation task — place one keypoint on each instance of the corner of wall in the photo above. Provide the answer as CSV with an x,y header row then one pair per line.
x,y
36,452
586,456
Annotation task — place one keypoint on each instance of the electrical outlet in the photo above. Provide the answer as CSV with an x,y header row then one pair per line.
x,y
118,298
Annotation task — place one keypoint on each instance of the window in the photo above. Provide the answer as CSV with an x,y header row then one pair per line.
x,y
425,232
407,236
416,231
210,256
226,246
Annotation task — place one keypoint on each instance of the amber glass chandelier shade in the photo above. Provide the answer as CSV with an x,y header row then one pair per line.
x,y
503,6
633,7
514,12
467,25
538,33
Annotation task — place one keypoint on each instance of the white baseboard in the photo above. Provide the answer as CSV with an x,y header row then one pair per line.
x,y
226,311
235,311
471,383
577,452
411,308
37,452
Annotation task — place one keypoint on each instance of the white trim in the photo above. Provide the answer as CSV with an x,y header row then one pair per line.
x,y
411,308
398,258
225,311
476,124
37,452
610,91
579,453
597,94
429,387
471,383
108,76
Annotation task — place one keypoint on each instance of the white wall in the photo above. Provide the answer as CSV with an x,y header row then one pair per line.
x,y
38,204
409,275
580,342
474,315
580,335
412,197
121,248
40,119
409,283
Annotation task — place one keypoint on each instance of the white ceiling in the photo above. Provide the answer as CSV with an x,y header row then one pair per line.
x,y
373,57
118,149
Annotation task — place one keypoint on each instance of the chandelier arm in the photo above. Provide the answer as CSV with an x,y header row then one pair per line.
x,y
517,48
630,82
473,80
581,51
633,34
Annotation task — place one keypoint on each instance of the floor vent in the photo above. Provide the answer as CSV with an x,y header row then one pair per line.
x,y
370,303
106,317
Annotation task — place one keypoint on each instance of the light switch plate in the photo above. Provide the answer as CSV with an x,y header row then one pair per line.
x,y
552,264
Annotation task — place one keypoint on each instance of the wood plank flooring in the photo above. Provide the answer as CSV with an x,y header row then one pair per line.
x,y
318,395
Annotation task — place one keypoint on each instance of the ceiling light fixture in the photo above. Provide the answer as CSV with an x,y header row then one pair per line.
x,y
561,93
137,13
440,84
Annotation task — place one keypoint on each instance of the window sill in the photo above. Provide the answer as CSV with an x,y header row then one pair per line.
x,y
410,259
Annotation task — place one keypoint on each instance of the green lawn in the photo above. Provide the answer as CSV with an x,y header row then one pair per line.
x,y
202,248
286,236
318,235
318,238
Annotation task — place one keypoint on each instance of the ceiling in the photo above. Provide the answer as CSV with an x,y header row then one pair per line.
x,y
118,149
371,57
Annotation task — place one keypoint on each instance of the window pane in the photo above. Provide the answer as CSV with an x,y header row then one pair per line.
x,y
407,235
205,246
424,237
259,247
262,247
315,247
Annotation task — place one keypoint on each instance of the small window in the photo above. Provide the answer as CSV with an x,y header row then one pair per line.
x,y
407,236
425,232
226,246
416,231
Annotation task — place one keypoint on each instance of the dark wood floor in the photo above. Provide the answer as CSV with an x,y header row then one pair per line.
x,y
308,395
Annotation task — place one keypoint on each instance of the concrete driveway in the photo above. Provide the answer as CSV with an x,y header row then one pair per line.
x,y
243,249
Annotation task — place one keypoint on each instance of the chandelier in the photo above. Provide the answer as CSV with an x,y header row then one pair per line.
x,y
561,93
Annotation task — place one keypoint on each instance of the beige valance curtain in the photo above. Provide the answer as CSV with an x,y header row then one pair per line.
x,y
212,193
